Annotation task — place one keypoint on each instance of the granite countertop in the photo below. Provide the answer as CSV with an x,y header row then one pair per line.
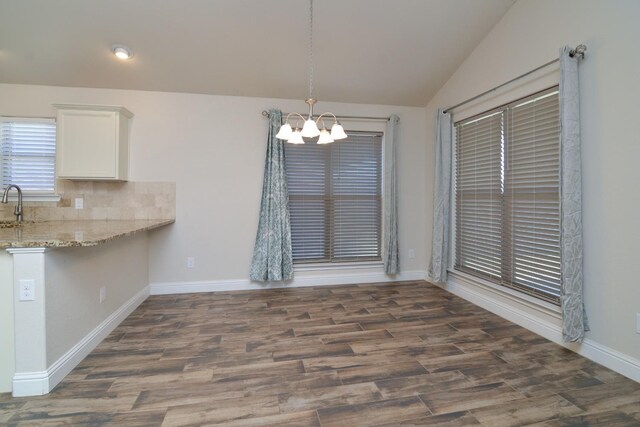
x,y
56,234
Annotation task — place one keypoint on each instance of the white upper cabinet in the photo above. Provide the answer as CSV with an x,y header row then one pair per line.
x,y
92,142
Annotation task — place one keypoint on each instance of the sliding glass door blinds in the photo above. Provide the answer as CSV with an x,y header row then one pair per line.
x,y
335,199
507,186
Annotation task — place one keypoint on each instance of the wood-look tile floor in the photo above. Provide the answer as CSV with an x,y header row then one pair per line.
x,y
399,354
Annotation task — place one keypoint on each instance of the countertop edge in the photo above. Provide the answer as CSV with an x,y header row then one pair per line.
x,y
61,243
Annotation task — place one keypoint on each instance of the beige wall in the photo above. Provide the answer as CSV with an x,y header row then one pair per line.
x,y
74,277
213,147
529,35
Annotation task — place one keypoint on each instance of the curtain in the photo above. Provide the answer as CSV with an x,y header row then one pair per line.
x,y
391,256
272,254
442,199
574,318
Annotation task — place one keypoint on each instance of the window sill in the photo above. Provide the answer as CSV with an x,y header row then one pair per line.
x,y
337,266
510,294
54,198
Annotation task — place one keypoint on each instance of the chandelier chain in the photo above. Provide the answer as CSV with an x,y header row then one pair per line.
x,y
310,128
310,48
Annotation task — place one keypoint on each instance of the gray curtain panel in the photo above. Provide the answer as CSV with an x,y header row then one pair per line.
x,y
442,199
574,323
272,254
391,256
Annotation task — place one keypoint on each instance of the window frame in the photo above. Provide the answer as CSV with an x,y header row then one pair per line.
x,y
507,289
31,195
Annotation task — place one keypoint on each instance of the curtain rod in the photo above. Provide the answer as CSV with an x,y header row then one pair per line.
x,y
579,50
265,113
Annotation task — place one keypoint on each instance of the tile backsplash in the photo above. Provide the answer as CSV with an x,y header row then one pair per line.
x,y
102,200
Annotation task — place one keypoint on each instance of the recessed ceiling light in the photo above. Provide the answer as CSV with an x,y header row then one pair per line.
x,y
121,51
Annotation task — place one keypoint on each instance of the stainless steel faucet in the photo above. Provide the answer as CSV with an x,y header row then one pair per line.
x,y
5,199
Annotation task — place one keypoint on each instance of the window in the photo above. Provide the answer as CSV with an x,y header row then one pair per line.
x,y
507,186
335,199
28,154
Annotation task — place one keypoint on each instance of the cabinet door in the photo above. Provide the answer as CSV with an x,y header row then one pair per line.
x,y
88,144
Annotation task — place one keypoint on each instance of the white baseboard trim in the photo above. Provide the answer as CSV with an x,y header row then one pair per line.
x,y
612,359
39,383
30,383
167,288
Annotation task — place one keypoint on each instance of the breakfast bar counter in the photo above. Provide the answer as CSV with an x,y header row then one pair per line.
x,y
53,234
64,286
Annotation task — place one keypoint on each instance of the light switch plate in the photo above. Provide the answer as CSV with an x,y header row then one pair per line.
x,y
638,323
79,203
412,253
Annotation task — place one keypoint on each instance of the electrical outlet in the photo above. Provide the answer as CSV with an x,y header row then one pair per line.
x,y
103,294
638,323
79,203
27,290
191,262
412,253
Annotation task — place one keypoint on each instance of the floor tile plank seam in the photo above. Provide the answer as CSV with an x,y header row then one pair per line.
x,y
429,410
524,400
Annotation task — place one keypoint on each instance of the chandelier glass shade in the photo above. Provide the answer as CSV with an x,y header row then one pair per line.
x,y
310,127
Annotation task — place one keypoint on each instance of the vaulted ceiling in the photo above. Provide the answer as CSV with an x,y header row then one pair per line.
x,y
396,52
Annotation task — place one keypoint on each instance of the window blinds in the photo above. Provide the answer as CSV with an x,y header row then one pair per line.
x,y
507,196
479,195
532,196
28,153
335,199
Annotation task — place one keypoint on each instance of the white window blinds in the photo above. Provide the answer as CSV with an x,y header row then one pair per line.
x,y
28,154
507,195
335,199
479,195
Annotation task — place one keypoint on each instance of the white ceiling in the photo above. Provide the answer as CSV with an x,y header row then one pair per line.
x,y
396,52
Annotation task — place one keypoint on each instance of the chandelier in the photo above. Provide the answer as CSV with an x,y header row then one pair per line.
x,y
310,129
